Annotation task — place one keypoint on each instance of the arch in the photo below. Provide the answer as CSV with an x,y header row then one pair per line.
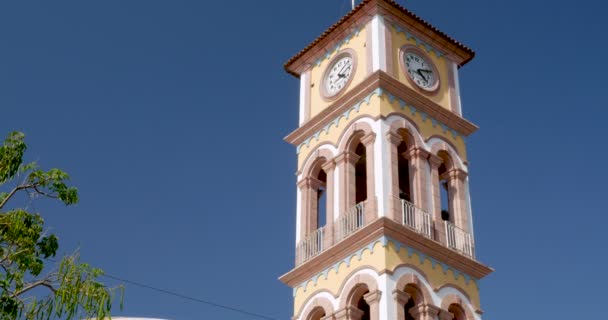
x,y
412,284
398,122
355,287
316,307
353,134
451,300
438,144
311,162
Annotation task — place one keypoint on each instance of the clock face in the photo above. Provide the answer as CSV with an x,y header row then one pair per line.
x,y
420,71
338,75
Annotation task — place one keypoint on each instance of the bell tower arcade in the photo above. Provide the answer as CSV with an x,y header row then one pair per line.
x,y
384,222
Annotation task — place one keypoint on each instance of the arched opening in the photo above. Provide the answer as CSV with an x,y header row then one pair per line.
x,y
447,212
403,168
410,308
360,309
360,174
406,309
363,306
316,314
321,199
457,311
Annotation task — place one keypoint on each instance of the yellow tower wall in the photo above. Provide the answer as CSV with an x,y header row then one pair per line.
x,y
379,106
399,39
357,43
384,257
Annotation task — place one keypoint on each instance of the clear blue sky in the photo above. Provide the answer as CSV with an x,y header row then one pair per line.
x,y
187,185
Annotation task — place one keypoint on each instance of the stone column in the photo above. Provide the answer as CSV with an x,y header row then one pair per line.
x,y
425,312
445,315
345,162
370,207
348,313
401,298
328,239
419,169
394,204
435,162
329,317
373,300
458,199
308,188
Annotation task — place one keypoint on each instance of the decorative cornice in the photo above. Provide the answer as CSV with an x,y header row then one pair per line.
x,y
383,231
419,42
338,46
379,84
360,16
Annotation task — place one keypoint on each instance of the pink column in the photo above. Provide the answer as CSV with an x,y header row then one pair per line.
x,y
345,162
425,312
445,315
373,300
419,167
348,313
458,201
370,207
435,162
394,205
308,215
401,298
328,239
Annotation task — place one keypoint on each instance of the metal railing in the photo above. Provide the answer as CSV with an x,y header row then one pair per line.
x,y
459,240
310,246
417,219
350,222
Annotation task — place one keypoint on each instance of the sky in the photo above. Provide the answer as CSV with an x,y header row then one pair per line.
x,y
170,115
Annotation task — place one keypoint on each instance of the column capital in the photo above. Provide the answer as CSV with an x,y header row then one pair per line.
x,y
401,297
435,161
368,139
348,313
372,297
423,311
329,317
309,182
416,152
445,315
346,157
458,174
328,166
394,138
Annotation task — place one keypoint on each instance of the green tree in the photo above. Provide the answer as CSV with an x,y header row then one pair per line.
x,y
34,285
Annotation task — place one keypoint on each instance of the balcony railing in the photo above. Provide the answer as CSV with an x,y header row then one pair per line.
x,y
350,222
459,239
417,219
412,217
310,246
317,242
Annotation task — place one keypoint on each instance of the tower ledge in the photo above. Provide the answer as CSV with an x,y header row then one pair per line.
x,y
380,79
391,229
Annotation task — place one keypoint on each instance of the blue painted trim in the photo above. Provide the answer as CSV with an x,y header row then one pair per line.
x,y
357,107
384,240
409,35
337,47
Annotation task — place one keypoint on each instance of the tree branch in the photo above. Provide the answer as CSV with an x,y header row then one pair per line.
x,y
44,283
48,195
12,193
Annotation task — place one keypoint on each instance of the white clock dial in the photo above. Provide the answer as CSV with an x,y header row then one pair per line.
x,y
420,71
338,75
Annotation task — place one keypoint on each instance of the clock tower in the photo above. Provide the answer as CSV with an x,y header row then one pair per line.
x,y
384,224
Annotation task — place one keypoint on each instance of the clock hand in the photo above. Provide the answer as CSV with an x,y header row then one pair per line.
x,y
425,70
342,75
420,73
